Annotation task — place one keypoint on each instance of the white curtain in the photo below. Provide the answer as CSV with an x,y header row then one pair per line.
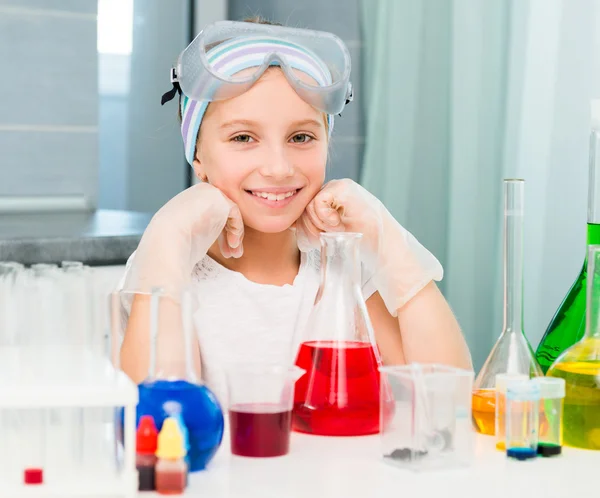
x,y
461,94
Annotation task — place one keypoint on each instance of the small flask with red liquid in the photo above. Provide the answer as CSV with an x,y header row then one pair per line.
x,y
145,458
340,393
171,469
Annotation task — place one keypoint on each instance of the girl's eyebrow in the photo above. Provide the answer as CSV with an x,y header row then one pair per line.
x,y
253,124
238,122
310,121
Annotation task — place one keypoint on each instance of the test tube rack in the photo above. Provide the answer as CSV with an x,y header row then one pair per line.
x,y
68,377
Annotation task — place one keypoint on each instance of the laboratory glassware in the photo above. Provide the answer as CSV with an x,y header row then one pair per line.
x,y
339,394
172,387
512,352
261,397
580,367
502,381
522,419
552,394
568,323
431,423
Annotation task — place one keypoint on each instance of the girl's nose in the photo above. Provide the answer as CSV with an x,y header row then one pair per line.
x,y
276,164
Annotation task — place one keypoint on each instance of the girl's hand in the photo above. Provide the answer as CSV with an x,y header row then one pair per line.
x,y
341,206
401,265
179,236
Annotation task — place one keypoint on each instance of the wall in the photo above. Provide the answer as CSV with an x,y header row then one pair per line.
x,y
342,19
49,111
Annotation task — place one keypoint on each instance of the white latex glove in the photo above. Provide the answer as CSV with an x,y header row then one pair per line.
x,y
401,265
179,236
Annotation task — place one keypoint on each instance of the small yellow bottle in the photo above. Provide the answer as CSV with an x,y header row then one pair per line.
x,y
171,469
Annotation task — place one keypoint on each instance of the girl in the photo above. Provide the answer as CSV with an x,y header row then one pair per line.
x,y
256,129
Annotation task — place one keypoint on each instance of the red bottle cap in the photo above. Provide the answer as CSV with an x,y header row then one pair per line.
x,y
33,476
146,436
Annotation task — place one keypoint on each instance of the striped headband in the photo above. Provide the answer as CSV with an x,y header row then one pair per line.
x,y
237,54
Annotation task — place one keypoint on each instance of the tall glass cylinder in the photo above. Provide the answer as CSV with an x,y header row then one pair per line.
x,y
512,353
568,324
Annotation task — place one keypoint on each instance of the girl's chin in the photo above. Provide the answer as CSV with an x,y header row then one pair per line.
x,y
275,224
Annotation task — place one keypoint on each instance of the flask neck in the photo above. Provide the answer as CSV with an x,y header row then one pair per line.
x,y
340,264
171,341
592,326
593,234
513,257
594,178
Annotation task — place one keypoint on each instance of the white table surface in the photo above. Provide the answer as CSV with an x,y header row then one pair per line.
x,y
353,468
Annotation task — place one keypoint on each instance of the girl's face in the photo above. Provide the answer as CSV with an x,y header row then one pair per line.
x,y
266,150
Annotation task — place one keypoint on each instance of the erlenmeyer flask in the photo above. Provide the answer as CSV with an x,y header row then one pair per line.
x,y
339,394
512,353
172,388
580,367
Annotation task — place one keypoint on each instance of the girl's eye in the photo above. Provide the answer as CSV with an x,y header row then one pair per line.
x,y
301,138
242,138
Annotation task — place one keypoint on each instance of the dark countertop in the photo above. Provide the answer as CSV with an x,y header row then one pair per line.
x,y
102,237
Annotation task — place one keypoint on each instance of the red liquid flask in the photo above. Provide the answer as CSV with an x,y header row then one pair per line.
x,y
341,392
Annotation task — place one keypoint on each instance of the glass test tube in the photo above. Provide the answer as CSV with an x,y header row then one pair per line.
x,y
552,394
502,381
522,419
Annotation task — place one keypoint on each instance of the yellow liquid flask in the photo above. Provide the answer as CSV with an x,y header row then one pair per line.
x,y
512,353
580,367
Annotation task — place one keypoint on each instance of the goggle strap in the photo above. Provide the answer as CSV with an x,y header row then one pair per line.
x,y
170,95
349,96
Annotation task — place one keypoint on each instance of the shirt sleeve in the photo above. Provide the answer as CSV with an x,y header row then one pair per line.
x,y
367,283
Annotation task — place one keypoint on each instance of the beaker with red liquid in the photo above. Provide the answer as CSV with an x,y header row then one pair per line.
x,y
260,409
340,393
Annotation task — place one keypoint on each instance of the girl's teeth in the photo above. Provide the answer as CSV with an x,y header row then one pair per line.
x,y
274,197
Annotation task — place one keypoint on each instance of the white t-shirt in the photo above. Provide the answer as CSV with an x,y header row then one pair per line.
x,y
239,320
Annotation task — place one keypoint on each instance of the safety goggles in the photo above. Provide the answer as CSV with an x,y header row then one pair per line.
x,y
226,58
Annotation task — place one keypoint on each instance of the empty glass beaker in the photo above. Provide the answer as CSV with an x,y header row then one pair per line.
x,y
580,367
261,398
512,352
339,395
431,422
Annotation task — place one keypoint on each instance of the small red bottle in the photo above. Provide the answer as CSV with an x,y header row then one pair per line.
x,y
145,458
171,469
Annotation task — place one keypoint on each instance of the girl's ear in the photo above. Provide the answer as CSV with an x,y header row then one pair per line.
x,y
199,170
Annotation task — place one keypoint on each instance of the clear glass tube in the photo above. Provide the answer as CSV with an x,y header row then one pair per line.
x,y
594,174
513,254
8,313
552,393
522,419
502,382
592,325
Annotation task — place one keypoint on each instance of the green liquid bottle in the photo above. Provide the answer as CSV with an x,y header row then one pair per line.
x,y
568,324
